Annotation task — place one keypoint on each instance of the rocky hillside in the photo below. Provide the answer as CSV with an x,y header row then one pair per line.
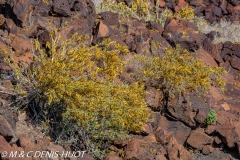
x,y
212,10
179,131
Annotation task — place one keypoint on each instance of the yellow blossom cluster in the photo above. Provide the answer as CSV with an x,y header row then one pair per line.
x,y
177,71
81,77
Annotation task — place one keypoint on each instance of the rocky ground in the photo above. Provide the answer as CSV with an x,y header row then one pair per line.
x,y
212,10
176,134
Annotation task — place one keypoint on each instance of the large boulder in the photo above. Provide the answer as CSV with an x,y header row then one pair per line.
x,y
229,134
178,129
198,139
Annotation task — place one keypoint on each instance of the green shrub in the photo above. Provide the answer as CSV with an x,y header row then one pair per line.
x,y
211,117
80,78
177,72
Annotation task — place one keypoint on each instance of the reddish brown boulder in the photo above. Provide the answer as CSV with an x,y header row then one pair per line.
x,y
199,107
7,89
225,117
62,7
136,35
26,45
104,30
9,114
162,136
48,23
113,157
147,129
157,117
87,157
120,143
157,43
160,157
224,7
6,129
215,94
228,134
22,9
217,11
7,152
43,36
200,116
207,149
179,130
237,129
235,62
11,26
206,58
210,129
196,2
27,144
138,149
176,151
181,4
144,148
184,33
4,146
153,98
55,148
42,143
110,18
237,10
2,46
2,19
43,9
151,25
198,139
217,140
141,42
236,125
82,18
182,111
161,3
16,148
212,49
125,77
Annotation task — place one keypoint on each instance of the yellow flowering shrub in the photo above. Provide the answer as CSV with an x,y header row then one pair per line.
x,y
138,9
178,71
81,78
45,1
185,13
141,9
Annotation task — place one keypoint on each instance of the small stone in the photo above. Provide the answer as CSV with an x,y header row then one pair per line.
x,y
217,140
225,106
207,149
210,129
2,19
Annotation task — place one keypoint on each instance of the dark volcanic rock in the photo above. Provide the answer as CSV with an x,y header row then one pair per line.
x,y
213,10
182,111
179,130
212,49
177,151
184,33
6,129
228,134
198,139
